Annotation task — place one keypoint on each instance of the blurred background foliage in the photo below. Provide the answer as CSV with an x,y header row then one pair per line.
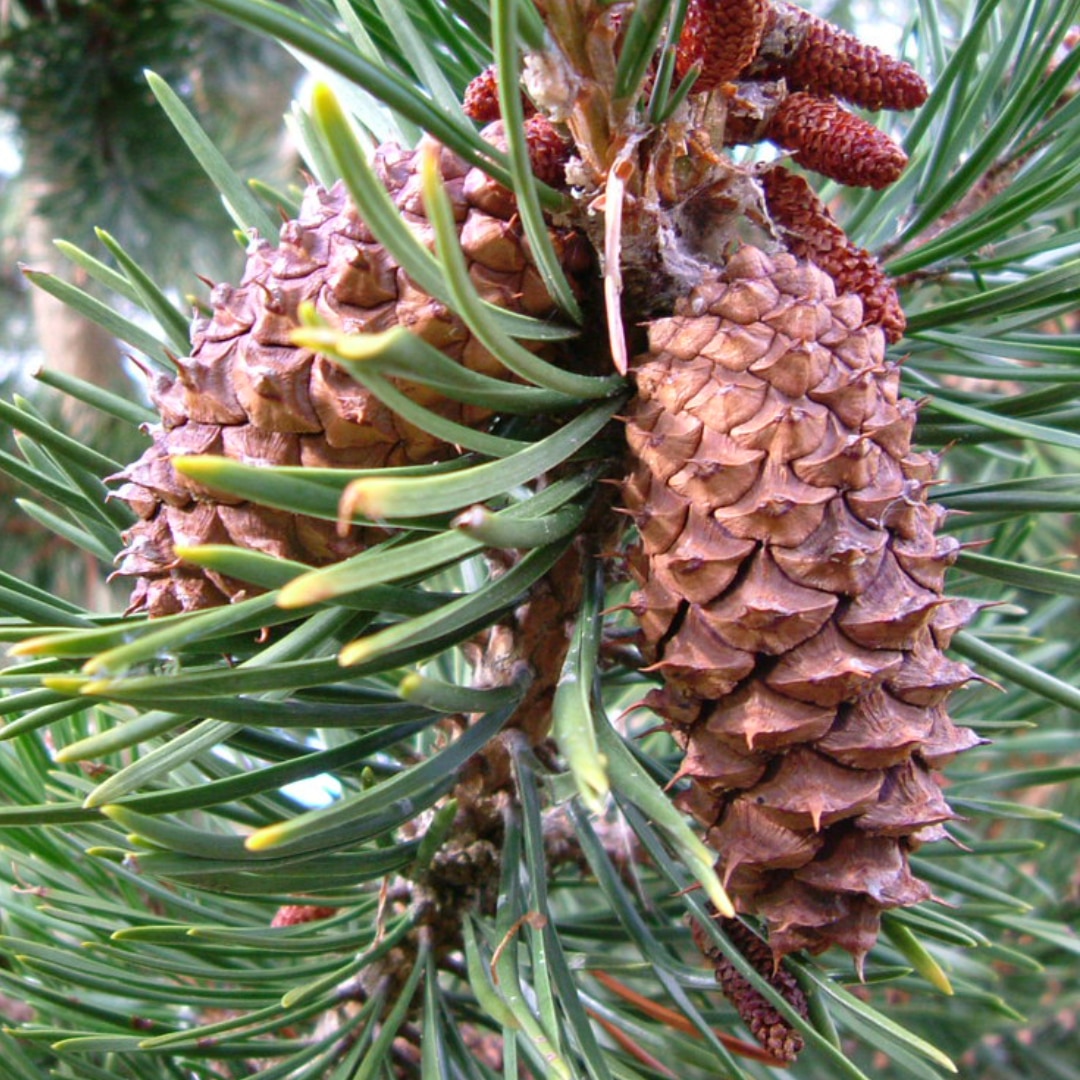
x,y
83,146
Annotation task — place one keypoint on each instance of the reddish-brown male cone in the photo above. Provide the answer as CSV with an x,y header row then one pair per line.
x,y
767,40
810,53
720,37
788,71
790,596
819,132
811,233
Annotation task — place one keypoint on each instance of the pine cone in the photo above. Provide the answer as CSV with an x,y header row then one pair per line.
x,y
811,54
765,1021
722,36
246,391
791,596
823,136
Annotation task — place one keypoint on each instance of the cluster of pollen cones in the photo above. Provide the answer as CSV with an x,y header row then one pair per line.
x,y
789,570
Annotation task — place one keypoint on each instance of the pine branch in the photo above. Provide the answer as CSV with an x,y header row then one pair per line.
x,y
385,811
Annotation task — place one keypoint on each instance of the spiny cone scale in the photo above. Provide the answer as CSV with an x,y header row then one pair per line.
x,y
247,392
790,595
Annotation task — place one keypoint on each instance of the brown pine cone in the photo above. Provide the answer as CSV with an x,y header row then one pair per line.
x,y
791,596
246,391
